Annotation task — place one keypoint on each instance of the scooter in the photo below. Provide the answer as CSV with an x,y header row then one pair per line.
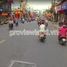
x,y
62,37
42,36
62,41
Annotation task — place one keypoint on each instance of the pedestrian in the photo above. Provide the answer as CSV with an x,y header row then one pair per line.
x,y
10,23
16,21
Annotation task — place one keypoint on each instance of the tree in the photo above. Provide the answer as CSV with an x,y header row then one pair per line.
x,y
3,1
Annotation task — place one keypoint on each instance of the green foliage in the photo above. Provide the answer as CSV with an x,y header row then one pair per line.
x,y
3,1
49,11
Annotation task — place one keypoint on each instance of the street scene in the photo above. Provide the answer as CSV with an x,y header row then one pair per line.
x,y
33,33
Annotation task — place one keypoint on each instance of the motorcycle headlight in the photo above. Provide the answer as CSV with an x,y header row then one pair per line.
x,y
64,39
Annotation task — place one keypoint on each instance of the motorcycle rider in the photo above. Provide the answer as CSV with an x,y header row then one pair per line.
x,y
44,20
10,23
42,29
62,32
16,23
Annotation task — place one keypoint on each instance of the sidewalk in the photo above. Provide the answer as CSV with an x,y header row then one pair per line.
x,y
3,21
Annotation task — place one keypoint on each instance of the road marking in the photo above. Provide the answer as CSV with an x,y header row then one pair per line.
x,y
16,61
2,41
22,62
12,62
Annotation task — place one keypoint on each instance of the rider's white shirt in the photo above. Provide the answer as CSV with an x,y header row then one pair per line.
x,y
42,28
11,22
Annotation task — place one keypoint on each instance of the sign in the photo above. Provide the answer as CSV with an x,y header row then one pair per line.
x,y
64,6
58,8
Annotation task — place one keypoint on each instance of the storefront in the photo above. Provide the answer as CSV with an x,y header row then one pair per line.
x,y
62,11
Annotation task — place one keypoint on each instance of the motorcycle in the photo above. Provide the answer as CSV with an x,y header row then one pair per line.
x,y
42,36
62,41
62,36
10,26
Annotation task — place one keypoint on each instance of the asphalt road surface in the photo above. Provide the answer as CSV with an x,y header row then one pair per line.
x,y
29,49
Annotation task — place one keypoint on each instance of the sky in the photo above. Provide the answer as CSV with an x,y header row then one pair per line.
x,y
36,4
15,5
39,4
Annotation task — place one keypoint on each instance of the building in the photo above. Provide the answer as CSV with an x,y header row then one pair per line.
x,y
61,9
5,7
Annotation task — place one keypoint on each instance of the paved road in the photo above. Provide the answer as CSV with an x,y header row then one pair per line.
x,y
30,49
